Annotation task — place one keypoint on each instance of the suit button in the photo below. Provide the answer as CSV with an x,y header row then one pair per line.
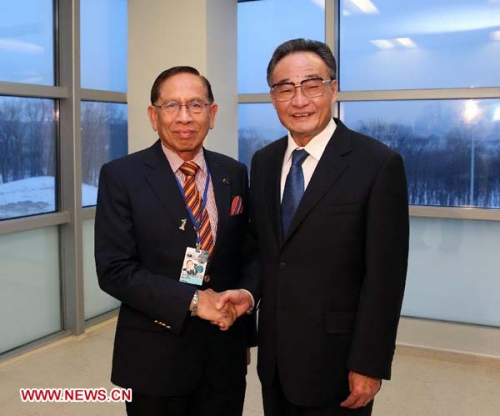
x,y
282,265
207,278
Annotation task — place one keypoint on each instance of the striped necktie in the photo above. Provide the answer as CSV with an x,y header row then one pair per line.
x,y
193,202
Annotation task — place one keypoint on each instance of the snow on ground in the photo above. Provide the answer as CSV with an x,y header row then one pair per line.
x,y
35,196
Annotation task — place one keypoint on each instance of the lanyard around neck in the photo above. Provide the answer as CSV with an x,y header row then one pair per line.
x,y
196,224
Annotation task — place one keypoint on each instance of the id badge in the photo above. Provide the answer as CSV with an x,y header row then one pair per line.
x,y
194,266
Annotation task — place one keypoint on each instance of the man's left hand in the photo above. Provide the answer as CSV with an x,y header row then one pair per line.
x,y
223,317
363,389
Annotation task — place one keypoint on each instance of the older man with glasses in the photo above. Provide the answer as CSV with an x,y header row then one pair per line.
x,y
169,228
329,217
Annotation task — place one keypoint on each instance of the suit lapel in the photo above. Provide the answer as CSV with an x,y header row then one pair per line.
x,y
162,181
273,189
222,192
331,165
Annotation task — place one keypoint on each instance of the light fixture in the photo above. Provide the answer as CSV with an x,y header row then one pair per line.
x,y
365,6
319,3
383,43
496,114
471,111
406,42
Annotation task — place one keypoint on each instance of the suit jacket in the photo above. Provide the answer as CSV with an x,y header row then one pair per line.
x,y
331,290
160,350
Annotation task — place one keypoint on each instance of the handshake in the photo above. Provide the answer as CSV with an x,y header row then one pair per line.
x,y
223,308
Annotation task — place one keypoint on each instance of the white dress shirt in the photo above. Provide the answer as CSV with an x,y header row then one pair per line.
x,y
315,148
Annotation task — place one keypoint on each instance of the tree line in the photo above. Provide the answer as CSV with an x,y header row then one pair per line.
x,y
28,139
460,167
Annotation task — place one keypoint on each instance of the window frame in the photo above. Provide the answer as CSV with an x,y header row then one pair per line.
x,y
332,38
69,216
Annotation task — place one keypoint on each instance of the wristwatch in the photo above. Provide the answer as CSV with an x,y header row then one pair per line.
x,y
195,304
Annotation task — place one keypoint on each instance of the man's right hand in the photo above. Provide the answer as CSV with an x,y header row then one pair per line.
x,y
239,299
224,317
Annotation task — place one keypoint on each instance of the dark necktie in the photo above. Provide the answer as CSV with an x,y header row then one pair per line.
x,y
294,188
193,202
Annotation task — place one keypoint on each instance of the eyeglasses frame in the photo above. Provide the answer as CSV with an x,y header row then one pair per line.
x,y
187,105
299,85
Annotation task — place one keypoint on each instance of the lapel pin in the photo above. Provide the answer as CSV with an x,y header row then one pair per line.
x,y
183,224
225,181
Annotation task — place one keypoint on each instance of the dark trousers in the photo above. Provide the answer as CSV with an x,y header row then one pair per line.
x,y
206,400
276,404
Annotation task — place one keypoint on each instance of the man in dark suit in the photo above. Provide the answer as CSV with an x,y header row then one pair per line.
x,y
329,214
158,209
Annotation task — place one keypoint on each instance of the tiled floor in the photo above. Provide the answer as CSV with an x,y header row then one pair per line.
x,y
424,384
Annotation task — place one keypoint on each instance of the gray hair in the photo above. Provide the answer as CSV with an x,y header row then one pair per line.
x,y
303,45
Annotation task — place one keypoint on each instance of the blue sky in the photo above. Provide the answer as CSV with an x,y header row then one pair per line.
x,y
27,43
397,45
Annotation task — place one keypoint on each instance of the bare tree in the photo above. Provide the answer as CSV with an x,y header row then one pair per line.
x,y
104,137
27,138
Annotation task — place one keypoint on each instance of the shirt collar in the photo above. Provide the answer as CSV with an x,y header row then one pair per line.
x,y
316,145
176,161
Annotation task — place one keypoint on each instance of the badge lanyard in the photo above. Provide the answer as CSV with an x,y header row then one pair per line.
x,y
197,225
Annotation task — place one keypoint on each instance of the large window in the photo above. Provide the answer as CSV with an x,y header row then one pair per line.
x,y
27,42
103,119
30,303
421,77
451,148
104,44
27,125
453,271
103,68
104,138
63,113
441,53
254,134
27,157
263,25
277,21
393,44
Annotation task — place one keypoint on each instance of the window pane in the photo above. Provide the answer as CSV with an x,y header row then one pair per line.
x,y
27,41
104,44
258,125
263,25
451,148
453,271
30,303
104,138
397,44
27,157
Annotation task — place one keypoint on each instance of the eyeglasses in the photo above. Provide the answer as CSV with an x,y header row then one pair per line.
x,y
311,88
172,107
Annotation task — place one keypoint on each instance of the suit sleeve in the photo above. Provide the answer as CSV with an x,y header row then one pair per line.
x,y
386,256
119,270
251,280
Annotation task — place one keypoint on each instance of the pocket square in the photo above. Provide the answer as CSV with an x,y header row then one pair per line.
x,y
236,206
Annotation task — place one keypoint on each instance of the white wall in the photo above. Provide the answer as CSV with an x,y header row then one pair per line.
x,y
199,33
222,71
